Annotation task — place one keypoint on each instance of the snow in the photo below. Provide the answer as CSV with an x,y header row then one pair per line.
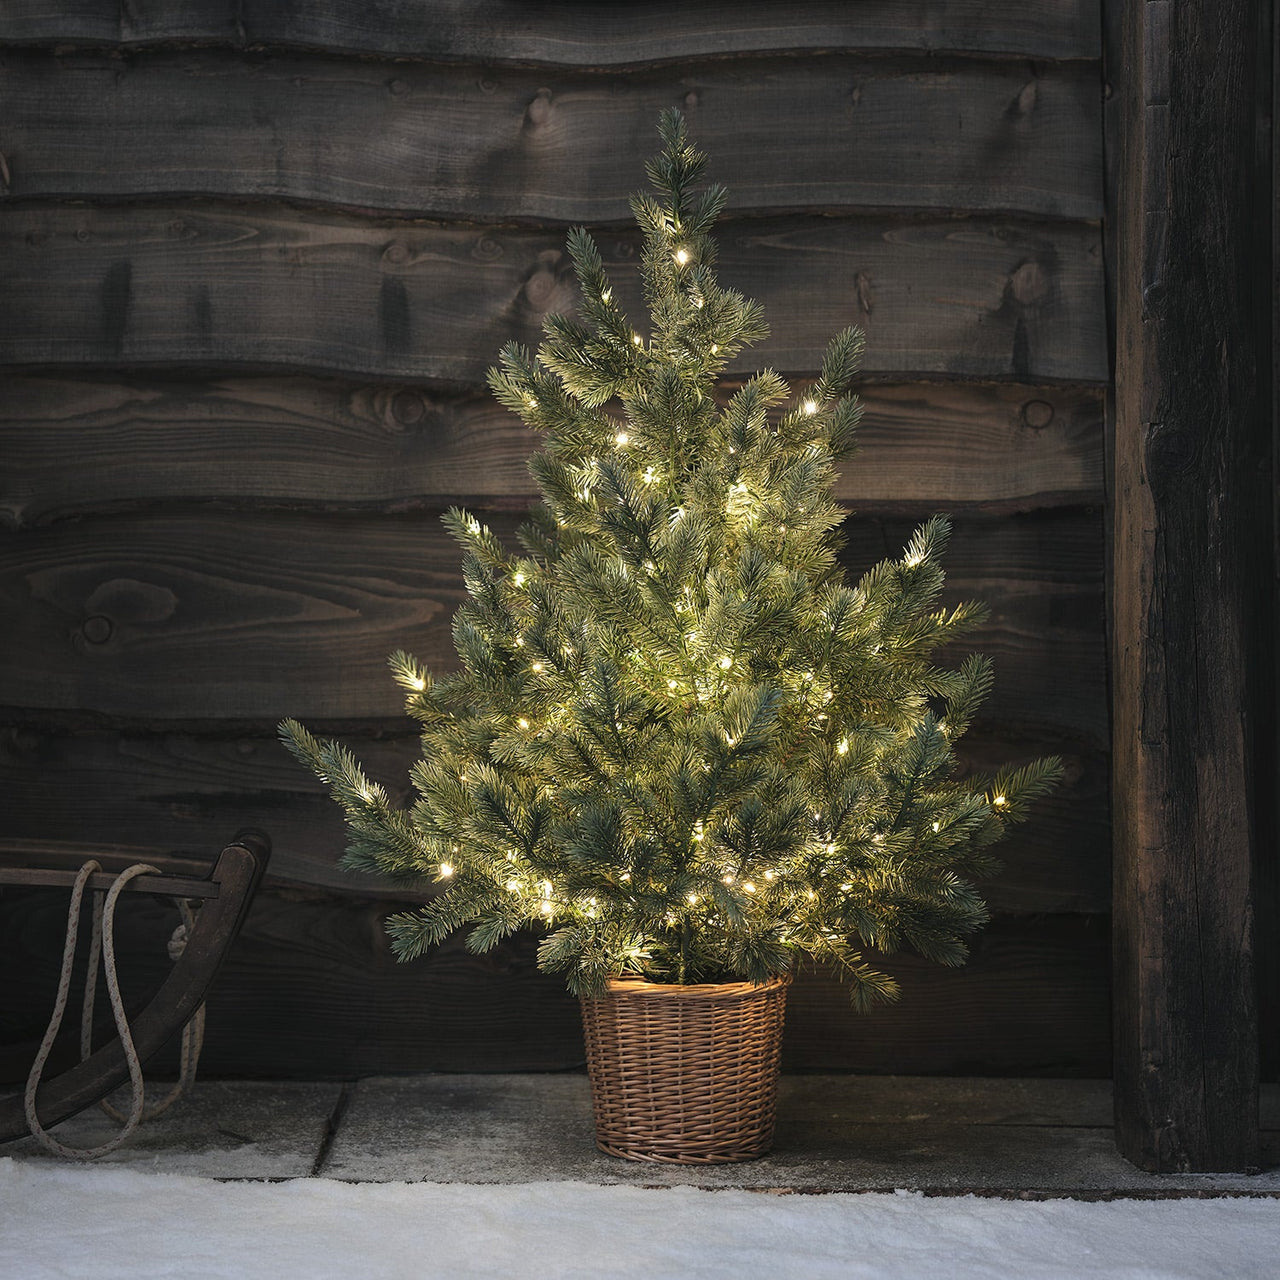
x,y
71,1221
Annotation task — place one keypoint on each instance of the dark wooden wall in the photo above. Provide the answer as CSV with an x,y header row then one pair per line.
x,y
254,260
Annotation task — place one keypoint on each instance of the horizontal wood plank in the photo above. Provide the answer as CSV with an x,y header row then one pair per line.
x,y
196,285
557,33
152,794
310,989
77,445
485,144
210,615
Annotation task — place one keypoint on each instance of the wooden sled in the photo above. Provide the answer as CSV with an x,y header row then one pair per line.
x,y
224,894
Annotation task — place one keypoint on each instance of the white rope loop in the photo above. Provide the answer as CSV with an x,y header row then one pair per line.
x,y
102,947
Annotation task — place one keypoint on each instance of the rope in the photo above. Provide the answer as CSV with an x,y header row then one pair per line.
x,y
102,946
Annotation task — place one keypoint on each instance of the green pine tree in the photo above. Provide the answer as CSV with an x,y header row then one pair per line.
x,y
679,743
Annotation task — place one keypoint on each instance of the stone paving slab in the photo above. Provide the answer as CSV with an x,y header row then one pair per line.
x,y
835,1133
221,1129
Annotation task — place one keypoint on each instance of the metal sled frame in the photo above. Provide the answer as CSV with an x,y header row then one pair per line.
x,y
224,894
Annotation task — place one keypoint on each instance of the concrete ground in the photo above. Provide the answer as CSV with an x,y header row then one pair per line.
x,y
835,1133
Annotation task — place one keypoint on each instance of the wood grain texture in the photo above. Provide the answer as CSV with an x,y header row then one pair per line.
x,y
1190,486
559,33
156,793
73,446
196,285
310,989
192,616
484,144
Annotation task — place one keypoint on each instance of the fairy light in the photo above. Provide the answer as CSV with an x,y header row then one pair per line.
x,y
537,666
606,295
731,740
621,439
715,349
648,475
519,642
681,256
726,662
999,802
531,401
547,908
831,848
523,723
748,886
698,832
625,877
842,747
473,525
728,877
519,579
846,887
673,684
446,870
937,826
692,899
513,885
637,339
418,683
810,407
768,875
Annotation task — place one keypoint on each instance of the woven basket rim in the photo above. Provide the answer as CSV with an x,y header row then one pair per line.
x,y
641,988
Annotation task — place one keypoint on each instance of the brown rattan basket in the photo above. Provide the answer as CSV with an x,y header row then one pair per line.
x,y
685,1075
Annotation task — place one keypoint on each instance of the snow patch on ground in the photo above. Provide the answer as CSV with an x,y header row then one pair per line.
x,y
69,1221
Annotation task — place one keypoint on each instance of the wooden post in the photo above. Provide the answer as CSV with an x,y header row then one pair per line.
x,y
1190,564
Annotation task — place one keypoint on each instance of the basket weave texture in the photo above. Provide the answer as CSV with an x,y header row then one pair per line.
x,y
685,1075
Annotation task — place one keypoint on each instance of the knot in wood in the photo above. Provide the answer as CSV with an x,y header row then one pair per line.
x,y
1029,284
397,88
539,110
691,99
408,408
97,629
1037,414
396,253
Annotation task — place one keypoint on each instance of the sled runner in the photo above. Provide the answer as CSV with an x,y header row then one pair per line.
x,y
221,899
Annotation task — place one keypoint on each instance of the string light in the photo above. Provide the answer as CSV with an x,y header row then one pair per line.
x,y
715,349
768,875
726,662
673,684
692,899
728,877
637,339
621,439
418,683
606,295
999,801
810,407
473,525
513,885
519,579
842,747
523,723
681,256
937,826
537,666
446,870
547,908
748,886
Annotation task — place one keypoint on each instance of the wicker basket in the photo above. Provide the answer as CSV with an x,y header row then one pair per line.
x,y
685,1075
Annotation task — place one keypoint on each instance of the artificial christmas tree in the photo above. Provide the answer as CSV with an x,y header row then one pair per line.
x,y
679,743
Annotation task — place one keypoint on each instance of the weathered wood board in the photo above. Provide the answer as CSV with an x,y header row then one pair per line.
x,y
197,284
191,616
157,793
486,31
522,145
73,446
311,989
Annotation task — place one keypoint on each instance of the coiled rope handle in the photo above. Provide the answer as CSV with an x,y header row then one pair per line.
x,y
102,946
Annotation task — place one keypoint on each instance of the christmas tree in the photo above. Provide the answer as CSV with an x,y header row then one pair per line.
x,y
679,743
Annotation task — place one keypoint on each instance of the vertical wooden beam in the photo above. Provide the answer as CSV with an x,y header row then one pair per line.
x,y
1189,565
